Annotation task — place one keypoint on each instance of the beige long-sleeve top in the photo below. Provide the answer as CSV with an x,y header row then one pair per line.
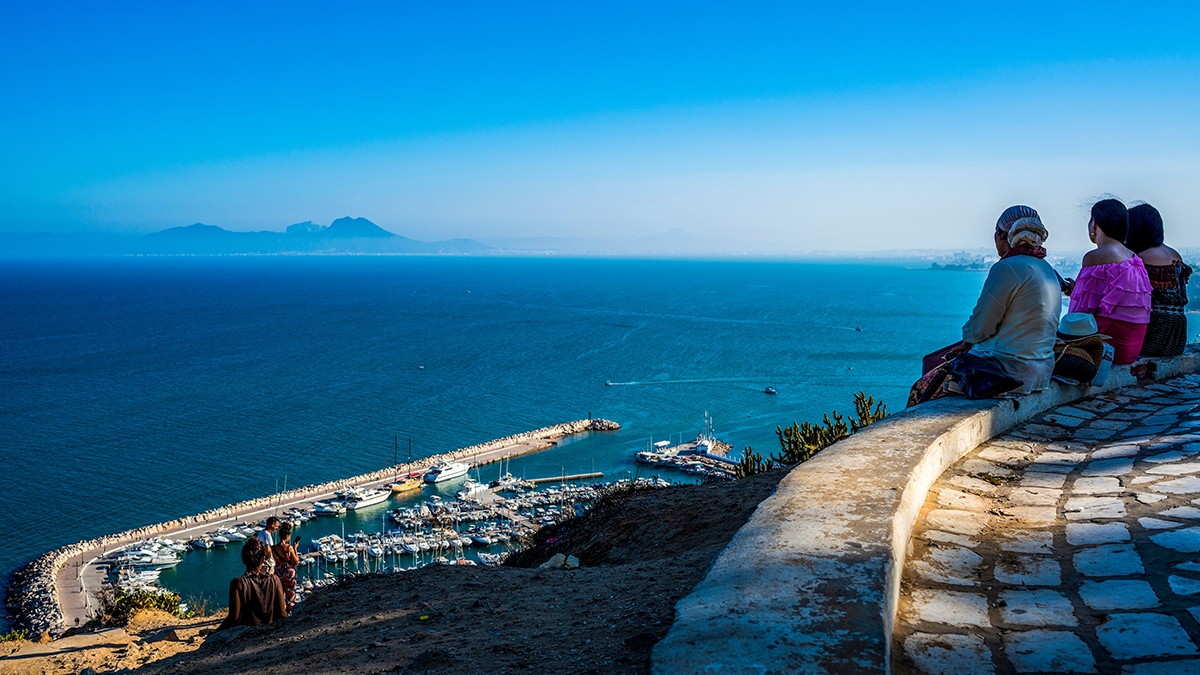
x,y
1016,319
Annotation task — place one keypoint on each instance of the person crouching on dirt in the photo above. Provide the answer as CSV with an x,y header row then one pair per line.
x,y
256,597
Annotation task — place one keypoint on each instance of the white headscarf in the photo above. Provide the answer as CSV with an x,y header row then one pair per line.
x,y
1022,227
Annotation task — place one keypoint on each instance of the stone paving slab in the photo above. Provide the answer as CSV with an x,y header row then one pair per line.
x,y
1068,545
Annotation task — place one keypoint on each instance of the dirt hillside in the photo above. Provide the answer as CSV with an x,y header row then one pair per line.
x,y
640,554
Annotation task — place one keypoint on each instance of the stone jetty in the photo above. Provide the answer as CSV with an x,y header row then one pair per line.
x,y
33,597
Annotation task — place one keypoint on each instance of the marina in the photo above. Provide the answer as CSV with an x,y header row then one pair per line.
x,y
434,511
56,589
477,527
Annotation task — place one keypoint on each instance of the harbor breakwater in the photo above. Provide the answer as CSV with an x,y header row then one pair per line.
x,y
32,599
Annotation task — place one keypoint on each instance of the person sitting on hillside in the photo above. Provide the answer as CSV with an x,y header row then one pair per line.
x,y
286,560
1016,317
1113,284
256,597
1166,334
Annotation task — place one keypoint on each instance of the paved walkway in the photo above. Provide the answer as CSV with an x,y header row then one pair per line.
x,y
1068,545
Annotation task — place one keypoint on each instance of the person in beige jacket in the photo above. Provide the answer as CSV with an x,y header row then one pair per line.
x,y
1017,313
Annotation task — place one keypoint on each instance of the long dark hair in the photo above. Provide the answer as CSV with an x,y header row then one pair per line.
x,y
285,531
254,554
1145,228
1112,218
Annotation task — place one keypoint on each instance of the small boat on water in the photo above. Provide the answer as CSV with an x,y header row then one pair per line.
x,y
769,390
445,472
405,483
471,488
329,508
358,498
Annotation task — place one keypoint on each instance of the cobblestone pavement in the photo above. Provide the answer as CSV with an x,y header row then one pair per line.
x,y
1068,545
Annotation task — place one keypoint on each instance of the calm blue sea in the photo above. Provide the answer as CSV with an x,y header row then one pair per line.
x,y
134,390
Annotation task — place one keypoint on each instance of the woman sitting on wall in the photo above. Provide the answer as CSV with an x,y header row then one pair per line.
x,y
1113,284
1166,334
256,597
1014,321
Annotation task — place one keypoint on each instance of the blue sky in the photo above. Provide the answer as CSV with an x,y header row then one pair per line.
x,y
807,127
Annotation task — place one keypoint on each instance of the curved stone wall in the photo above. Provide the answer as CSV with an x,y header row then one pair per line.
x,y
810,583
33,600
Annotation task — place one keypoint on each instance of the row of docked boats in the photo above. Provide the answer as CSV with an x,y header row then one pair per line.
x,y
705,457
436,531
138,565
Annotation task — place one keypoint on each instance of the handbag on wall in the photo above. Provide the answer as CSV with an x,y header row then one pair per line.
x,y
980,376
941,356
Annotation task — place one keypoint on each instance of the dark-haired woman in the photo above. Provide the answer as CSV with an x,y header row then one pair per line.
x,y
285,565
1166,334
1113,285
256,597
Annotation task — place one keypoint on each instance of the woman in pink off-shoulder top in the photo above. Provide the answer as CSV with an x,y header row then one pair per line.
x,y
1113,284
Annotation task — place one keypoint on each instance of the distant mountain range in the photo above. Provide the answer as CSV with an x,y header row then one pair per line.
x,y
344,235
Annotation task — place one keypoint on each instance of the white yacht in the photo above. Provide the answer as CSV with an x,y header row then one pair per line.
x,y
331,507
358,499
447,471
470,488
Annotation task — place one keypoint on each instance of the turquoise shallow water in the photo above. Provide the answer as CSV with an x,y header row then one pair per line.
x,y
134,390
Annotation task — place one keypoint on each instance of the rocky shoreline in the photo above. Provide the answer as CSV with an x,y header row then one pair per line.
x,y
32,598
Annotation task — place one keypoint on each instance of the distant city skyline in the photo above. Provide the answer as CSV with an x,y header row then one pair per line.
x,y
870,128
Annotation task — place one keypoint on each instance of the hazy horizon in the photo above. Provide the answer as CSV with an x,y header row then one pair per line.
x,y
883,129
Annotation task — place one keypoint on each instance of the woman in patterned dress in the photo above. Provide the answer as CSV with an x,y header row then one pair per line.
x,y
285,565
1166,334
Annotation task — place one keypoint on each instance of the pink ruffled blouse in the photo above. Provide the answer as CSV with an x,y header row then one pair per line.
x,y
1118,291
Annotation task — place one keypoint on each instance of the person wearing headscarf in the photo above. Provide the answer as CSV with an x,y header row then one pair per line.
x,y
1166,334
1113,284
1016,317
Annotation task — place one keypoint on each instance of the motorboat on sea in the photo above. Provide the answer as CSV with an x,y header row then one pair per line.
x,y
769,390
329,508
471,488
444,472
359,498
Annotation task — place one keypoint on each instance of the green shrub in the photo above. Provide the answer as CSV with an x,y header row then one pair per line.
x,y
752,463
14,636
799,442
117,607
